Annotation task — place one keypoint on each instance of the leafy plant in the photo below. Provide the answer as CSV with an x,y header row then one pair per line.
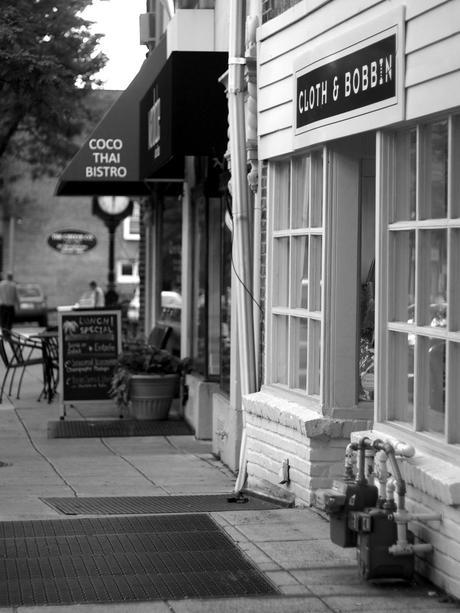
x,y
49,60
138,357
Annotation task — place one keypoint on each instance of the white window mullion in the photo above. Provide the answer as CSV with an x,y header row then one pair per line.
x,y
385,197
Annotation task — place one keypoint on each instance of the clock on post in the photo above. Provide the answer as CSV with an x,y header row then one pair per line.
x,y
112,210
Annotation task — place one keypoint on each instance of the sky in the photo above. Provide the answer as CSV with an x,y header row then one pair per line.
x,y
119,21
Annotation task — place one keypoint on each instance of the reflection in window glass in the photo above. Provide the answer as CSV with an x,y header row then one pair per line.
x,y
437,247
280,266
314,282
401,379
437,385
226,293
280,366
300,193
412,173
300,263
302,349
437,170
281,193
200,278
402,256
314,344
316,189
214,287
404,204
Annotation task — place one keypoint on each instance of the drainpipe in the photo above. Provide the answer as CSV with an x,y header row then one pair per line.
x,y
240,204
253,164
240,210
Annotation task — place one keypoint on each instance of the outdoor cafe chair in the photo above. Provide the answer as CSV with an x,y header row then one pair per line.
x,y
159,336
17,352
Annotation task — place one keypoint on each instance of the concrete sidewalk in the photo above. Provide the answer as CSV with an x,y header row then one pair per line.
x,y
291,546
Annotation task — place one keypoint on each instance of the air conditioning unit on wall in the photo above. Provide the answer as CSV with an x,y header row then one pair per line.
x,y
147,28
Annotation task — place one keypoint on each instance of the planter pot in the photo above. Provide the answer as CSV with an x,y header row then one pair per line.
x,y
151,395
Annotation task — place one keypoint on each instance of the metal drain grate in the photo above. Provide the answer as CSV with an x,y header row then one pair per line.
x,y
119,427
122,559
156,504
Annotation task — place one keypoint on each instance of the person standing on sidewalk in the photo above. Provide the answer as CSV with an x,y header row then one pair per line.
x,y
97,295
9,301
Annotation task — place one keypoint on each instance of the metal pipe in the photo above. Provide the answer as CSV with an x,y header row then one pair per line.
x,y
363,443
382,473
349,461
241,240
408,548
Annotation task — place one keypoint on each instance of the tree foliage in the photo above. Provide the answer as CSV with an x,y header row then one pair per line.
x,y
48,59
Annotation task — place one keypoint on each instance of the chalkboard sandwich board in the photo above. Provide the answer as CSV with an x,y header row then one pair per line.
x,y
89,346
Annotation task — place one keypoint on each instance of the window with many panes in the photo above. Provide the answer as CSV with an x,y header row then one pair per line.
x,y
295,286
423,267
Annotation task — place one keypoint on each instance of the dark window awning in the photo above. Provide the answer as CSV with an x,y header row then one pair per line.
x,y
184,112
172,108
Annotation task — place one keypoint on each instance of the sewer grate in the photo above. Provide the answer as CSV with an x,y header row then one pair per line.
x,y
122,559
119,427
157,504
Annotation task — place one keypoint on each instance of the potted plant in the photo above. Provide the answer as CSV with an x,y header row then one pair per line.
x,y
146,379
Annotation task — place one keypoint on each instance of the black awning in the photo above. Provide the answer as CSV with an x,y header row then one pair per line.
x,y
172,108
184,112
109,161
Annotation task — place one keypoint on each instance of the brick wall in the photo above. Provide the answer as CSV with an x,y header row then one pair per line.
x,y
277,430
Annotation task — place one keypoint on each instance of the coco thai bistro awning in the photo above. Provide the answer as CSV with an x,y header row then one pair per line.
x,y
173,107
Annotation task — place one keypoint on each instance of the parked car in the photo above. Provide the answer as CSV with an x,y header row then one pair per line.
x,y
33,305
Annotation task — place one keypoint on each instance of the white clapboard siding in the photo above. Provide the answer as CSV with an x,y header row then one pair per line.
x,y
433,96
278,92
432,58
426,28
440,58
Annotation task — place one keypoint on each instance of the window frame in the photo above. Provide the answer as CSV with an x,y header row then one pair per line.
x,y
283,321
128,234
389,162
121,278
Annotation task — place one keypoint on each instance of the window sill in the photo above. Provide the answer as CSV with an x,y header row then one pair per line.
x,y
274,406
432,470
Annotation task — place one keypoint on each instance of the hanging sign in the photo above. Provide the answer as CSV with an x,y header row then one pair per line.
x,y
351,82
72,242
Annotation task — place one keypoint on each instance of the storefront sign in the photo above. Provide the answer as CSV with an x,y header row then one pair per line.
x,y
72,242
106,159
109,162
354,81
154,125
89,345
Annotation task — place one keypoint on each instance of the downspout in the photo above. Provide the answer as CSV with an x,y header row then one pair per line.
x,y
253,175
240,203
240,208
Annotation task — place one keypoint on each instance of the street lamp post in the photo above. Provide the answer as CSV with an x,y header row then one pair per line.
x,y
112,210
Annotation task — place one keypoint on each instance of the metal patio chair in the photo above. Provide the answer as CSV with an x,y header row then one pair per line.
x,y
159,336
17,352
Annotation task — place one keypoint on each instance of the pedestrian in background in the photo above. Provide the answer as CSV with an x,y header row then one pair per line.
x,y
9,301
97,295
